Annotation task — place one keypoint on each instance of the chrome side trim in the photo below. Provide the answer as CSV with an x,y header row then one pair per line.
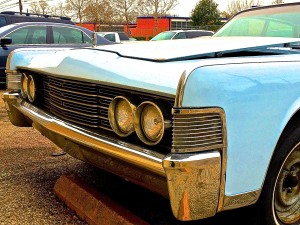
x,y
193,183
240,200
13,80
180,90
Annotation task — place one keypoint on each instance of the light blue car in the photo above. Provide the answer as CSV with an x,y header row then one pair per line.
x,y
211,123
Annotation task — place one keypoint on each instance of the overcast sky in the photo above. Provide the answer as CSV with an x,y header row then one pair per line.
x,y
184,7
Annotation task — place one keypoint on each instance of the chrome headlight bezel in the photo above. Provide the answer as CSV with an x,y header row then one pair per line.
x,y
31,88
24,84
139,122
115,122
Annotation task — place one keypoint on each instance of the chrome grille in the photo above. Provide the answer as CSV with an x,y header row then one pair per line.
x,y
83,102
197,130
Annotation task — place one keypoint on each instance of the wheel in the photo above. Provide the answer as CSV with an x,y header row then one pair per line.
x,y
280,199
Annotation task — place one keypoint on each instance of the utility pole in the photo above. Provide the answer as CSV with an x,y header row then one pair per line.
x,y
20,7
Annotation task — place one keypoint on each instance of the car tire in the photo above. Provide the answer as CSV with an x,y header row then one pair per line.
x,y
280,198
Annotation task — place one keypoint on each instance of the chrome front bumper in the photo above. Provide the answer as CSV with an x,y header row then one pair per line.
x,y
190,180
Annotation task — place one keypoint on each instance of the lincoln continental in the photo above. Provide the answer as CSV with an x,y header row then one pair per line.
x,y
211,123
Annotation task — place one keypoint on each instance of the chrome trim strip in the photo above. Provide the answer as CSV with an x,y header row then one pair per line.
x,y
240,200
180,90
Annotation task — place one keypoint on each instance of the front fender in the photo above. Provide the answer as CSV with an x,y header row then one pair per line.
x,y
258,98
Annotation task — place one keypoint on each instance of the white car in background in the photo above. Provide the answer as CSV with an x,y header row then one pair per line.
x,y
115,36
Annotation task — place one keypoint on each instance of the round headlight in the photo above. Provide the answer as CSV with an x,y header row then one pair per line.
x,y
24,81
31,88
152,122
149,123
121,116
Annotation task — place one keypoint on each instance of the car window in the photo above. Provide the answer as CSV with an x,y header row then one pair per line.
x,y
277,29
29,35
194,34
110,37
66,35
181,35
164,36
2,21
247,27
268,22
123,37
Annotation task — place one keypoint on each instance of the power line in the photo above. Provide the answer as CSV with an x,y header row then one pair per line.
x,y
8,6
5,1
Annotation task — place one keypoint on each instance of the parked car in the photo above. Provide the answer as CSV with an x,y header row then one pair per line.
x,y
115,36
9,17
41,34
181,34
213,123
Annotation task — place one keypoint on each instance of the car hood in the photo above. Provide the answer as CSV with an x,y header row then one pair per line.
x,y
201,47
154,67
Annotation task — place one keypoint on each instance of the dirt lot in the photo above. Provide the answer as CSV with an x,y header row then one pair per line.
x,y
28,173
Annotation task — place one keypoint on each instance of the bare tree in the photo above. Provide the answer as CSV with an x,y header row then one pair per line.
x,y
34,7
236,6
158,8
127,9
38,7
76,8
59,9
44,6
275,2
99,11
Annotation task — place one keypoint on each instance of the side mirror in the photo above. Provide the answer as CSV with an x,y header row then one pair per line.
x,y
5,41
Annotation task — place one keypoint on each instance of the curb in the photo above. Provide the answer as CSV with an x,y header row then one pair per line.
x,y
91,205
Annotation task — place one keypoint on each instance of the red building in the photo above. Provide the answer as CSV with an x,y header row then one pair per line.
x,y
145,27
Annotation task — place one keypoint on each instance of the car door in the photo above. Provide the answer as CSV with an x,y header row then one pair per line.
x,y
22,37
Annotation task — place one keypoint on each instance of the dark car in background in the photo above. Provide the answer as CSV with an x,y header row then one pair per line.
x,y
42,34
181,34
9,17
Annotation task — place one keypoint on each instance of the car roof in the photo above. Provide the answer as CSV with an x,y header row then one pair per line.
x,y
35,17
45,23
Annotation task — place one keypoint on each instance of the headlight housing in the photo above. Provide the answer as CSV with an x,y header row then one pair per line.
x,y
121,116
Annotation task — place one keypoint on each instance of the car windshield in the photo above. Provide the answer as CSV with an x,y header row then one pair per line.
x,y
5,28
163,36
269,22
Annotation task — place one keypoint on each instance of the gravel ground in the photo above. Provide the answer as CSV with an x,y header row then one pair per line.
x,y
28,173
